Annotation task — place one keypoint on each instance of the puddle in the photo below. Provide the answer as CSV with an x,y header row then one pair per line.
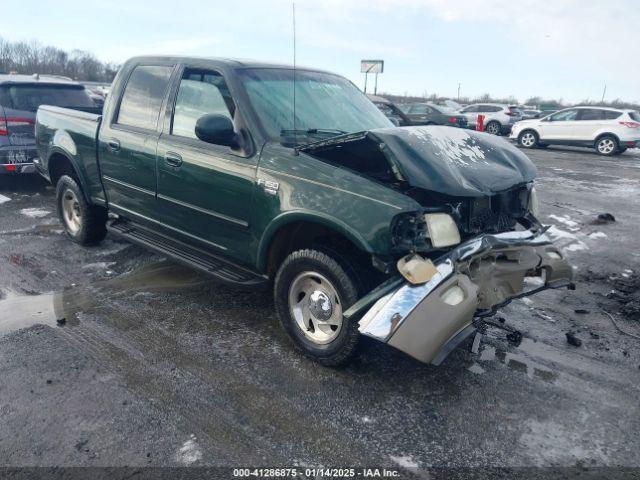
x,y
161,276
518,363
23,311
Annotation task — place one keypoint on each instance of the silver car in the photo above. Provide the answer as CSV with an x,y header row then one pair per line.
x,y
498,118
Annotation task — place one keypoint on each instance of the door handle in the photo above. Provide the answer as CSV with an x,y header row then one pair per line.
x,y
113,145
173,159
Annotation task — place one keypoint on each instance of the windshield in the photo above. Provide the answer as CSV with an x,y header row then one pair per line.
x,y
326,104
29,97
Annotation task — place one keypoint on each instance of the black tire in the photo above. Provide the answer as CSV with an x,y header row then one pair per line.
x,y
89,227
528,139
622,150
493,128
607,145
341,277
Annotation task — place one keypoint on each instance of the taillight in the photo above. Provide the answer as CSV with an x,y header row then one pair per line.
x,y
630,124
510,113
453,120
13,122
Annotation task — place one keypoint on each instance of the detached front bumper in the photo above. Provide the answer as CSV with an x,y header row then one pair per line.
x,y
473,280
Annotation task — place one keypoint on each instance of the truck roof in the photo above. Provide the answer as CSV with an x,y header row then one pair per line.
x,y
13,78
221,62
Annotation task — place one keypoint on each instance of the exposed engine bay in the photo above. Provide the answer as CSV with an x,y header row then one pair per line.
x,y
483,183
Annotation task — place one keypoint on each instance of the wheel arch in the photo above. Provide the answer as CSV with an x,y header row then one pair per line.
x,y
62,163
294,230
606,134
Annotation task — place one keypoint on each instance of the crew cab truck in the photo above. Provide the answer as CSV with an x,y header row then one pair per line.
x,y
408,235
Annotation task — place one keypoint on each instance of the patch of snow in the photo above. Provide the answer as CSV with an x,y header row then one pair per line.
x,y
367,420
477,369
628,270
4,199
598,235
575,247
566,220
97,265
526,301
457,142
35,212
189,452
568,240
405,461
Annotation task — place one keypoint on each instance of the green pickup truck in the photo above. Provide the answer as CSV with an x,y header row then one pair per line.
x,y
260,173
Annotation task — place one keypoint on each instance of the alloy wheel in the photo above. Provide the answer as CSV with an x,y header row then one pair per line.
x,y
316,307
71,211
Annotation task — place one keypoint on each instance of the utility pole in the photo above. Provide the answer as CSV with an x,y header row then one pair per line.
x,y
459,90
603,92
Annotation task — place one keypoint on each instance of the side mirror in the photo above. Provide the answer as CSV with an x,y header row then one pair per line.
x,y
217,129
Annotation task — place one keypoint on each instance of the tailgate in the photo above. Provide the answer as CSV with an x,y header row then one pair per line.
x,y
20,102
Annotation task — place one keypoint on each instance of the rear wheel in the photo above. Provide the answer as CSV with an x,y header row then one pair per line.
x,y
528,139
607,145
622,150
493,128
312,290
83,222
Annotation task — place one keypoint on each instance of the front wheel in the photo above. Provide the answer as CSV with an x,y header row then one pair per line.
x,y
83,222
607,145
528,139
312,290
493,128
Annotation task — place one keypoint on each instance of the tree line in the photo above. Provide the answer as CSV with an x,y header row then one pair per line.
x,y
32,57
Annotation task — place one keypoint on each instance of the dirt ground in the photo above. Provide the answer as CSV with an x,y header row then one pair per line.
x,y
154,364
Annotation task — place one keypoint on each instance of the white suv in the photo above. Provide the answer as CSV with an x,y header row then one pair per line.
x,y
610,131
498,118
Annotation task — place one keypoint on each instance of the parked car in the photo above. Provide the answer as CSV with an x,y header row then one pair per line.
x,y
430,114
530,113
498,118
390,110
609,130
20,97
408,235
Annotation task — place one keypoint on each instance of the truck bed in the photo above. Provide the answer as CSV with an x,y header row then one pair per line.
x,y
73,133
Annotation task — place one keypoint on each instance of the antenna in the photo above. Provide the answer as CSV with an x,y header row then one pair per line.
x,y
295,131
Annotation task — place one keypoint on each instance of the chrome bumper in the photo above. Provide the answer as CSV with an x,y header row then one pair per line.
x,y
489,271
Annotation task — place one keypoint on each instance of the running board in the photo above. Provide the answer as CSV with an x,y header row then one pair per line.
x,y
191,256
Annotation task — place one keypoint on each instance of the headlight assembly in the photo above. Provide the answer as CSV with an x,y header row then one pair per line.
x,y
442,230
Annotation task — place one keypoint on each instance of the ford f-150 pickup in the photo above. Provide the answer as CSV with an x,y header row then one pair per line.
x,y
259,173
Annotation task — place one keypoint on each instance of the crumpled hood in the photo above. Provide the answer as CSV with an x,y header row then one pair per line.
x,y
454,161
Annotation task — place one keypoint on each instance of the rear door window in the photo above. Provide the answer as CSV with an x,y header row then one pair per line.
x,y
635,116
590,114
29,97
200,93
143,96
419,110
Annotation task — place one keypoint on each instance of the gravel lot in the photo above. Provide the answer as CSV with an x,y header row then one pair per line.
x,y
157,365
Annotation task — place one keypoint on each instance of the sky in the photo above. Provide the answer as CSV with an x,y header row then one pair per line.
x,y
560,49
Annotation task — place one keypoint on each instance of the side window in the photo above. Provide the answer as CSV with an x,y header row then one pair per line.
x,y
492,108
611,115
565,116
143,95
471,109
200,93
419,109
590,114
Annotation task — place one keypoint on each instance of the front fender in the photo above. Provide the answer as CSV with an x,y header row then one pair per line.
x,y
291,216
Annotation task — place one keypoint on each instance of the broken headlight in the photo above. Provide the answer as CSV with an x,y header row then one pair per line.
x,y
442,230
419,231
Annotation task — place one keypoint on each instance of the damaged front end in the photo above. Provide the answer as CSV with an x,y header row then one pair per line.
x,y
470,281
469,247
